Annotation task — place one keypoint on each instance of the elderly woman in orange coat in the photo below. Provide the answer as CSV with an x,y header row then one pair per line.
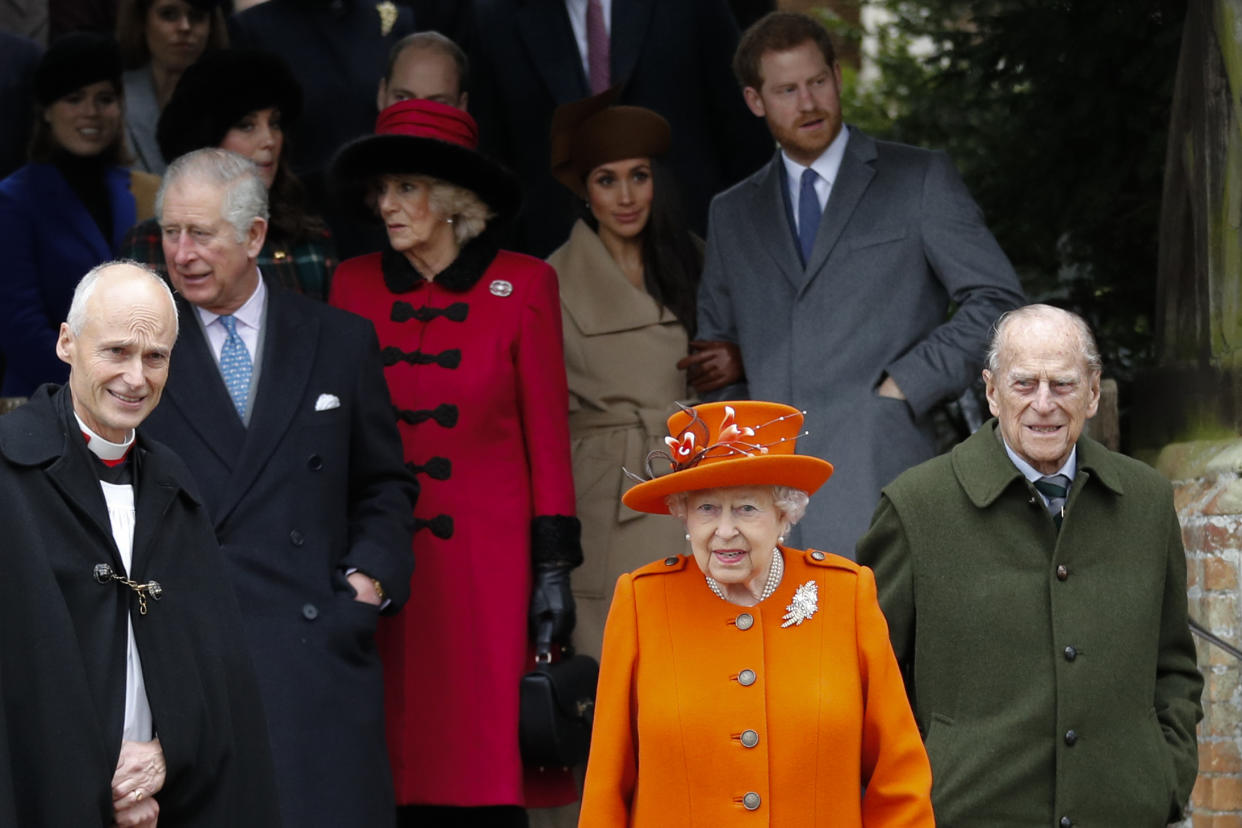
x,y
748,683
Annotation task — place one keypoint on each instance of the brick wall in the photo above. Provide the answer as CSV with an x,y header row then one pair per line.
x,y
1208,491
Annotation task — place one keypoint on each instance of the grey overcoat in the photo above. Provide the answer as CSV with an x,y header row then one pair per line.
x,y
899,241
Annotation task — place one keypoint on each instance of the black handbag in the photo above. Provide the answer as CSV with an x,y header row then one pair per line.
x,y
557,706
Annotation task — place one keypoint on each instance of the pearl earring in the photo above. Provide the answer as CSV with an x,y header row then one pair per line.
x,y
687,536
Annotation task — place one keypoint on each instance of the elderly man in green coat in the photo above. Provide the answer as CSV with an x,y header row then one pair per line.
x,y
1035,588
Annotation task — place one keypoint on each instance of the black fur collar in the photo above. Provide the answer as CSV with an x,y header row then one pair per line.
x,y
461,275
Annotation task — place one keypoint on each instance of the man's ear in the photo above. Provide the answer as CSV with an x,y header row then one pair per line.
x,y
65,344
255,237
754,101
990,388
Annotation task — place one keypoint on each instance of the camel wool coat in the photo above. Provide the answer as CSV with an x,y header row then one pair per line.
x,y
621,352
711,714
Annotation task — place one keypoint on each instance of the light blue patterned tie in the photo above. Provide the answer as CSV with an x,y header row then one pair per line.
x,y
235,365
808,213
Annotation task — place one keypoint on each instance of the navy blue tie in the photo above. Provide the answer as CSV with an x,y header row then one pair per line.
x,y
808,214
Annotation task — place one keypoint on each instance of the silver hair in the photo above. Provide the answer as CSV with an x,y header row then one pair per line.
x,y
245,196
465,210
790,502
1086,340
76,318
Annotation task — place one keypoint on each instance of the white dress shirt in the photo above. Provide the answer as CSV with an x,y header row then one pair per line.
x,y
577,20
826,167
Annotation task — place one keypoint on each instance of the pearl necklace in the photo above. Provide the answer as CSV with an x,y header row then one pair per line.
x,y
775,570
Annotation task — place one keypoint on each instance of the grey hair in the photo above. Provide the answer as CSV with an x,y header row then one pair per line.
x,y
76,318
431,41
1086,340
245,196
465,210
790,502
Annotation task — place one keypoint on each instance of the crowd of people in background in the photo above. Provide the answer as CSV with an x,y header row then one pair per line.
x,y
375,351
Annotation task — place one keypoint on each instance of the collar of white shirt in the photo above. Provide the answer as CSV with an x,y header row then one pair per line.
x,y
826,166
250,313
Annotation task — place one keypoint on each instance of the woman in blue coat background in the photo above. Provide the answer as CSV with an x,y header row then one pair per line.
x,y
67,209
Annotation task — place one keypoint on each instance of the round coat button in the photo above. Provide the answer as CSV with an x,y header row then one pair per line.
x,y
1062,572
749,738
745,621
671,560
1071,737
1070,654
746,678
295,538
817,555
751,801
1066,822
314,462
103,572
310,612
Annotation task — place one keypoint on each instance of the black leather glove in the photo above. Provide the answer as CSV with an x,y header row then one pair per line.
x,y
551,607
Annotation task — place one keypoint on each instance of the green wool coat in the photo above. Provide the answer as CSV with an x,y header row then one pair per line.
x,y
1052,674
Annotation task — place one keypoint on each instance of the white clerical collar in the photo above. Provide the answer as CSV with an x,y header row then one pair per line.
x,y
102,448
826,166
250,313
1069,469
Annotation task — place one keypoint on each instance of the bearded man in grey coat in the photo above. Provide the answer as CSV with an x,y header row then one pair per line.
x,y
831,272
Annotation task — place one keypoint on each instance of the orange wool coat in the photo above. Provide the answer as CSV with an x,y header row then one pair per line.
x,y
687,681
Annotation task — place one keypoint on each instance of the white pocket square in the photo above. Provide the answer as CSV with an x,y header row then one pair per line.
x,y
327,402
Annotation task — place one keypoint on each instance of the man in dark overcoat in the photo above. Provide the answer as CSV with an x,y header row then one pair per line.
x,y
279,407
126,693
1034,584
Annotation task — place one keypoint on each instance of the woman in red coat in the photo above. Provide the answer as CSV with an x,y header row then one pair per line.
x,y
471,337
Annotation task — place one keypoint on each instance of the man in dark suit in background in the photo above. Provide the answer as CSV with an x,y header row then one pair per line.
x,y
530,56
425,66
834,268
278,405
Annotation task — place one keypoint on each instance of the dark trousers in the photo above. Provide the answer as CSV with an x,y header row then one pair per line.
x,y
443,816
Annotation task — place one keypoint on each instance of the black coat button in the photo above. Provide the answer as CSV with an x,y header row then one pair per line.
x,y
103,572
1070,653
310,612
1066,822
1071,737
296,538
314,462
745,621
1062,572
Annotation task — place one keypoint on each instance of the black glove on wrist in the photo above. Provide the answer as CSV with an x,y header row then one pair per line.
x,y
551,606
